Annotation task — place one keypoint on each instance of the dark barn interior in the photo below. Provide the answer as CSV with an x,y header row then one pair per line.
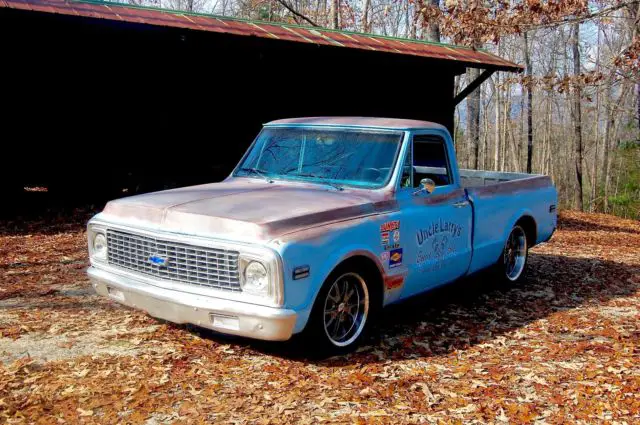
x,y
92,105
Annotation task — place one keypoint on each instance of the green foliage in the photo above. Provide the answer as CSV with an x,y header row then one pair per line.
x,y
264,13
626,202
623,200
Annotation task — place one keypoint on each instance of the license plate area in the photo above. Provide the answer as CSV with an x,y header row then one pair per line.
x,y
224,321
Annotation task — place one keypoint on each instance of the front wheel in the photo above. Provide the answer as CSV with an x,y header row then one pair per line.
x,y
513,262
342,313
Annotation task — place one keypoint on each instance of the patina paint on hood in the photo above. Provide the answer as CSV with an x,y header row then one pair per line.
x,y
246,209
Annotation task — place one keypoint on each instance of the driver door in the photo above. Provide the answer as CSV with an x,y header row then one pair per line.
x,y
438,248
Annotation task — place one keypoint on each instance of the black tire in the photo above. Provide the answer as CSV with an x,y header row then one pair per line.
x,y
325,340
512,264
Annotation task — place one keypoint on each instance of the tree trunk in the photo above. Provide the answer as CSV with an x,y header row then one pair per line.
x,y
433,27
473,120
365,15
413,29
498,90
605,157
505,117
485,132
457,141
407,21
515,165
334,13
635,11
529,72
520,137
638,104
596,134
547,169
577,114
496,146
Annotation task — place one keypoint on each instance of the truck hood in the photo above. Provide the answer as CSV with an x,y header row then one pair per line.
x,y
245,209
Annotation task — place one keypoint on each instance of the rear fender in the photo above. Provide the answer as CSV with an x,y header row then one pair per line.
x,y
512,222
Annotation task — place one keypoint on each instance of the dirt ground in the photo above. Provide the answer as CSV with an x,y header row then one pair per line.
x,y
563,347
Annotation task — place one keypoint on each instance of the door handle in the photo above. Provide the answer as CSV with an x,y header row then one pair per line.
x,y
461,204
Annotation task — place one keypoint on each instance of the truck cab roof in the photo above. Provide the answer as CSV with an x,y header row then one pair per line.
x,y
359,122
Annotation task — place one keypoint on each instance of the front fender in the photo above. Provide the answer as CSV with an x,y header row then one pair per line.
x,y
300,295
323,249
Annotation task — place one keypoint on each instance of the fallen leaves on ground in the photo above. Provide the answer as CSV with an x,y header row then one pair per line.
x,y
563,347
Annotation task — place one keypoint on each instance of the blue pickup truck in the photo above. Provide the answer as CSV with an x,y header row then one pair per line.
x,y
323,223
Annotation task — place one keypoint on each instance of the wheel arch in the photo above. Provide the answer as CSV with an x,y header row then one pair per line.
x,y
360,260
365,260
530,227
524,218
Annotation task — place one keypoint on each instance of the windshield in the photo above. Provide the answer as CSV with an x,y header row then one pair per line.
x,y
332,156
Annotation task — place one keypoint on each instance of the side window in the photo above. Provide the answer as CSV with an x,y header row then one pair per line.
x,y
430,160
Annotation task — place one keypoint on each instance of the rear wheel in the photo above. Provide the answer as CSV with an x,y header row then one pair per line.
x,y
342,313
513,262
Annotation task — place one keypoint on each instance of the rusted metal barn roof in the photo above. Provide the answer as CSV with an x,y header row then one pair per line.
x,y
269,30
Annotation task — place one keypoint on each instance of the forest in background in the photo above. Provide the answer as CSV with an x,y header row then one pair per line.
x,y
573,114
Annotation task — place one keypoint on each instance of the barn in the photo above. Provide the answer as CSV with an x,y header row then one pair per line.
x,y
101,96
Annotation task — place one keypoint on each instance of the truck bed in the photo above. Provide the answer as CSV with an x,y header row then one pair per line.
x,y
498,200
477,179
480,178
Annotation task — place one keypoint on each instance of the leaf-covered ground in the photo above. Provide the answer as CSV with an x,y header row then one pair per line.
x,y
564,347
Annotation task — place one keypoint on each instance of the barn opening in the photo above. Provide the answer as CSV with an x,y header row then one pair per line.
x,y
102,100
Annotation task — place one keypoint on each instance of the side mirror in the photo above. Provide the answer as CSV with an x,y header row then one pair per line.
x,y
426,185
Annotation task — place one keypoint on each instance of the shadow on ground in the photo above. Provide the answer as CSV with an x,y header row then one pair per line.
x,y
471,311
570,223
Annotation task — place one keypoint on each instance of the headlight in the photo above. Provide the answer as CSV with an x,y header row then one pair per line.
x,y
260,273
99,246
255,279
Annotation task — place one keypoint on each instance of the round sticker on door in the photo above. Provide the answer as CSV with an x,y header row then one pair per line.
x,y
396,236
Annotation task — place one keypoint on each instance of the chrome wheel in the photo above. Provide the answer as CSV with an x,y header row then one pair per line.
x,y
515,254
346,307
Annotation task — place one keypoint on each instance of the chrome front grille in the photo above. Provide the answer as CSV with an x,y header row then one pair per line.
x,y
179,262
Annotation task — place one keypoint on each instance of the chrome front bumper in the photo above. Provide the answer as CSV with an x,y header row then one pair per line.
x,y
225,316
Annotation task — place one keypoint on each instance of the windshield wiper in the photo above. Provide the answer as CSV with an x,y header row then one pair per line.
x,y
321,179
257,171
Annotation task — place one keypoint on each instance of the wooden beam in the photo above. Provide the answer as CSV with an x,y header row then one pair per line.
x,y
472,86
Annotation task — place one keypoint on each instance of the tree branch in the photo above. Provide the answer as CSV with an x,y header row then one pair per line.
x,y
296,13
581,19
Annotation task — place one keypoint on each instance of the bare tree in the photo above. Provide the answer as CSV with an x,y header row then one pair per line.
x,y
433,28
365,15
473,119
577,113
335,14
529,71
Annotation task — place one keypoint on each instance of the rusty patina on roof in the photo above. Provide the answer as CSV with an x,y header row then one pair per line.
x,y
268,30
392,123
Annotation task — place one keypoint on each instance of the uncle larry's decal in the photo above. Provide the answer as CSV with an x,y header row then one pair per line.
x,y
448,227
436,243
